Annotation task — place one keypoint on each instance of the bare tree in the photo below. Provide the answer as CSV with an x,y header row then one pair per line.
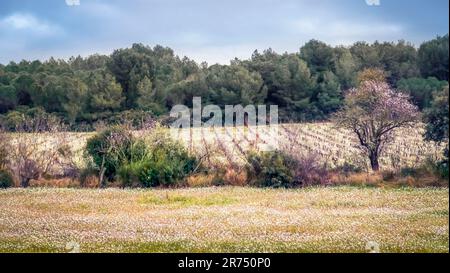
x,y
372,112
38,148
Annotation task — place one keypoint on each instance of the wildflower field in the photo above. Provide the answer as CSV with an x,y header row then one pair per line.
x,y
225,219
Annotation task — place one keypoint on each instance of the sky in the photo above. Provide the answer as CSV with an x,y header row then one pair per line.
x,y
208,30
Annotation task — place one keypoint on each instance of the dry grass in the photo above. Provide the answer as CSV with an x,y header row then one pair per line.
x,y
358,179
201,180
55,183
388,179
229,219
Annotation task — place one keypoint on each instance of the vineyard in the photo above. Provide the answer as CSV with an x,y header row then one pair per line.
x,y
333,146
229,145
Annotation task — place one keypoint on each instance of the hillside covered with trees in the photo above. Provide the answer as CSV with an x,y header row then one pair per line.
x,y
132,83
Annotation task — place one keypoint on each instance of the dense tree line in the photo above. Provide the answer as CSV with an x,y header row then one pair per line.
x,y
133,82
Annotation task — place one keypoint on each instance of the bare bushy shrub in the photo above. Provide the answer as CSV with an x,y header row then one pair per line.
x,y
306,167
35,153
309,171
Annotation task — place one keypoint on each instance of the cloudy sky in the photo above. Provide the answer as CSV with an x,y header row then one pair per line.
x,y
208,30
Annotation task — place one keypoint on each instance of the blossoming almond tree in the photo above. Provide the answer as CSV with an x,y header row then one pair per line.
x,y
373,111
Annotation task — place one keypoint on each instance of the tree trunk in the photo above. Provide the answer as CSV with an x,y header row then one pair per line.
x,y
374,161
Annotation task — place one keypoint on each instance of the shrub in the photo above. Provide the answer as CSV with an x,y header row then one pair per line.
x,y
442,167
158,161
407,171
426,175
32,155
26,169
270,169
349,169
112,148
308,171
164,162
168,164
437,168
281,170
130,174
6,179
443,170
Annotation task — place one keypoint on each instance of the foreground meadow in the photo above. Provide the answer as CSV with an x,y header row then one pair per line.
x,y
228,219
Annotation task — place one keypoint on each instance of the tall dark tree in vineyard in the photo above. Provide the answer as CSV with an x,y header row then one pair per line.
x,y
372,112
